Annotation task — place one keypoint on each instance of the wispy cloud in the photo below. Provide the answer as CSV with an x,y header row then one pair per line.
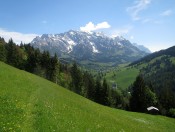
x,y
92,27
167,13
121,31
44,22
139,5
16,36
147,20
158,22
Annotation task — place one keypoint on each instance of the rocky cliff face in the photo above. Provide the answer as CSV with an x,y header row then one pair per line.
x,y
89,47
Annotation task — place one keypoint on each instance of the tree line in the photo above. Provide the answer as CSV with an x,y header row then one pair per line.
x,y
140,95
161,74
70,76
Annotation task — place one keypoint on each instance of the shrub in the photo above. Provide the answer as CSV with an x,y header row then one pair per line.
x,y
172,112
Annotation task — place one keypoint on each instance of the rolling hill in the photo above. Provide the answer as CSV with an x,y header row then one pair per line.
x,y
167,52
158,71
31,103
155,67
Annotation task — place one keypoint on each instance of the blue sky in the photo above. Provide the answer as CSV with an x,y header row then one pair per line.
x,y
146,22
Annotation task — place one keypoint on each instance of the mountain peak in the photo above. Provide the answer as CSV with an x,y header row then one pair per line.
x,y
142,48
119,38
89,46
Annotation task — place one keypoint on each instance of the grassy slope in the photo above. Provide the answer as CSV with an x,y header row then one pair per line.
x,y
30,103
124,77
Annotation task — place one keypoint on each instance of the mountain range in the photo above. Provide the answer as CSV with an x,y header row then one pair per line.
x,y
90,49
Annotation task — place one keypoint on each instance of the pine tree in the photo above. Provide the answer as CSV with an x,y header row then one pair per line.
x,y
52,69
2,50
10,52
33,59
30,64
45,57
101,91
89,86
76,83
15,55
104,91
37,69
115,98
166,100
141,96
98,88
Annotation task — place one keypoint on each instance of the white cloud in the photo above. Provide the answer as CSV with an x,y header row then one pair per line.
x,y
139,5
16,36
102,25
166,13
89,27
92,27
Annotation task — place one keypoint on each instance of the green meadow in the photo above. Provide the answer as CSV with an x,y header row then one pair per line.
x,y
29,103
123,77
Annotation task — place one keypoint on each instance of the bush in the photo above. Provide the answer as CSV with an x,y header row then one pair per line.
x,y
172,112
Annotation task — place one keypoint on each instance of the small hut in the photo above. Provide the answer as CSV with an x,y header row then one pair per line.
x,y
153,110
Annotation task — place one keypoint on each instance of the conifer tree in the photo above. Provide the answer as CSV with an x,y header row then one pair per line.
x,y
2,50
98,88
52,69
104,92
89,87
76,82
15,55
10,52
141,96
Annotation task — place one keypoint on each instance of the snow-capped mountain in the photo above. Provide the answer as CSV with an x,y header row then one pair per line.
x,y
89,48
142,48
